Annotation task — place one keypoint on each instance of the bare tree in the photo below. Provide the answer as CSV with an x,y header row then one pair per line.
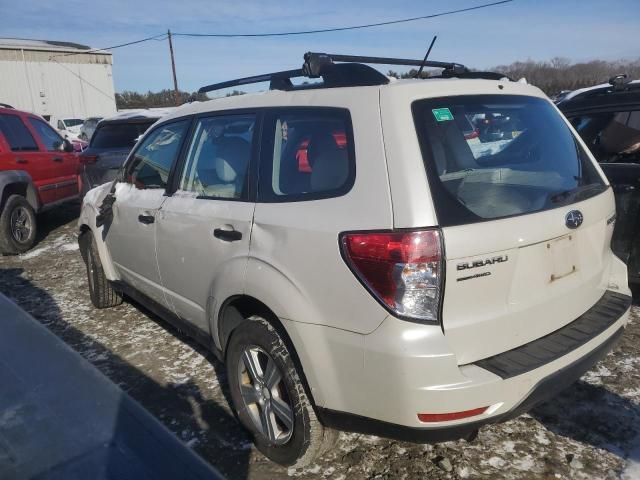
x,y
560,74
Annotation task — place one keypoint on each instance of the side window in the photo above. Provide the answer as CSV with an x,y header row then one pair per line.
x,y
611,136
60,125
218,158
152,160
17,134
310,155
51,139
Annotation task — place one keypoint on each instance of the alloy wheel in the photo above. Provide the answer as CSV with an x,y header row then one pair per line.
x,y
21,225
265,396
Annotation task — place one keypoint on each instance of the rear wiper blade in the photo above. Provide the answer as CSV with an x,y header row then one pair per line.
x,y
578,193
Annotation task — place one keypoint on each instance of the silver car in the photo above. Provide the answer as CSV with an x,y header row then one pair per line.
x,y
88,127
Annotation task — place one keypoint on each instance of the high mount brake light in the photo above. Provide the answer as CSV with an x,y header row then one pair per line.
x,y
403,270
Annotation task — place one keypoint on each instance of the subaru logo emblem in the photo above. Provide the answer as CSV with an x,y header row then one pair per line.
x,y
573,219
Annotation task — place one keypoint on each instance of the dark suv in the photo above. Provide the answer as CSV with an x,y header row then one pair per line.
x,y
110,144
607,117
38,170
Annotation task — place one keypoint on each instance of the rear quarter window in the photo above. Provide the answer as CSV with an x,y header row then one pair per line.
x,y
308,154
495,156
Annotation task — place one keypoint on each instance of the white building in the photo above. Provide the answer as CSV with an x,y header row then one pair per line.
x,y
56,79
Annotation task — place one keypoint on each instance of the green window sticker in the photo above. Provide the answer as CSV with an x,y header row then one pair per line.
x,y
442,114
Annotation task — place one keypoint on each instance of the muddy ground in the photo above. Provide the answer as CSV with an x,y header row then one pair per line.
x,y
590,431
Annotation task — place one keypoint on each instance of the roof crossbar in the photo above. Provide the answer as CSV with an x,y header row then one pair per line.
x,y
266,77
456,67
350,72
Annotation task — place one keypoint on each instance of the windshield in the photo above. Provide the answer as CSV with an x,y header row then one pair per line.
x,y
119,135
73,122
494,156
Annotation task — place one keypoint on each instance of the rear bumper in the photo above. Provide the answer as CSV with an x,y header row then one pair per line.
x,y
544,390
399,381
544,350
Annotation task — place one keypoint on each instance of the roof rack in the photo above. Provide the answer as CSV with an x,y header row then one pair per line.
x,y
616,84
622,82
350,72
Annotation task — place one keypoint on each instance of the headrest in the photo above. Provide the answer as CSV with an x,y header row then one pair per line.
x,y
330,170
232,158
321,143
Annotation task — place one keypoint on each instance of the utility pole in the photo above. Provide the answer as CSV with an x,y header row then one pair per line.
x,y
176,92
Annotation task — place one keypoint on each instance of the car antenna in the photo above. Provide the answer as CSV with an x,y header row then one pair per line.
x,y
417,75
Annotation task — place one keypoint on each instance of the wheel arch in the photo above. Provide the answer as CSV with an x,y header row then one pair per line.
x,y
85,228
236,309
18,182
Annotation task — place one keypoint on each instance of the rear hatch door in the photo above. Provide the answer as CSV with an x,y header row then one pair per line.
x,y
526,219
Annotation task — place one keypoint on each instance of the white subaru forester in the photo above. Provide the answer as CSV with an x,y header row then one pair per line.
x,y
411,259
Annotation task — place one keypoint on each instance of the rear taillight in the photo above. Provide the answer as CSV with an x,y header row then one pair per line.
x,y
403,270
88,159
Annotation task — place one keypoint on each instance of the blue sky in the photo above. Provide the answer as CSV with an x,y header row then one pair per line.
x,y
523,29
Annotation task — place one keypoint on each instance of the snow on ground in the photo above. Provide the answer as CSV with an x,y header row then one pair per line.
x,y
632,469
592,430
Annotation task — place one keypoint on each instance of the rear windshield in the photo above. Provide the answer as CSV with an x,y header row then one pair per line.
x,y
494,156
119,135
73,122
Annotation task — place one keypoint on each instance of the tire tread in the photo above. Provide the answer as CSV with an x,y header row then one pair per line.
x,y
103,295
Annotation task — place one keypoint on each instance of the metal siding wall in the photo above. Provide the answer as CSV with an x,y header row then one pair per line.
x,y
14,88
57,88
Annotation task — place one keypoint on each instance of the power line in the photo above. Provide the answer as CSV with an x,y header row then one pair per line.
x,y
162,36
341,29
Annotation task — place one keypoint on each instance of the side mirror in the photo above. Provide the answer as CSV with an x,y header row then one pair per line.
x,y
67,146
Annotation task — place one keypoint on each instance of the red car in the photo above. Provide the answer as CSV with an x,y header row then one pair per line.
x,y
38,170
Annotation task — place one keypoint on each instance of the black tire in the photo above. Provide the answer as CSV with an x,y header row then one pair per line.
x,y
17,226
306,440
100,290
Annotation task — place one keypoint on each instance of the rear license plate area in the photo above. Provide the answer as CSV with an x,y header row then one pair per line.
x,y
563,256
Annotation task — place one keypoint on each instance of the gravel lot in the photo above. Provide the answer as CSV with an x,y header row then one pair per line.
x,y
590,431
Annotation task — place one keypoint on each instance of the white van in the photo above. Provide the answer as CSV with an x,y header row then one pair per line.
x,y
68,127
361,257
